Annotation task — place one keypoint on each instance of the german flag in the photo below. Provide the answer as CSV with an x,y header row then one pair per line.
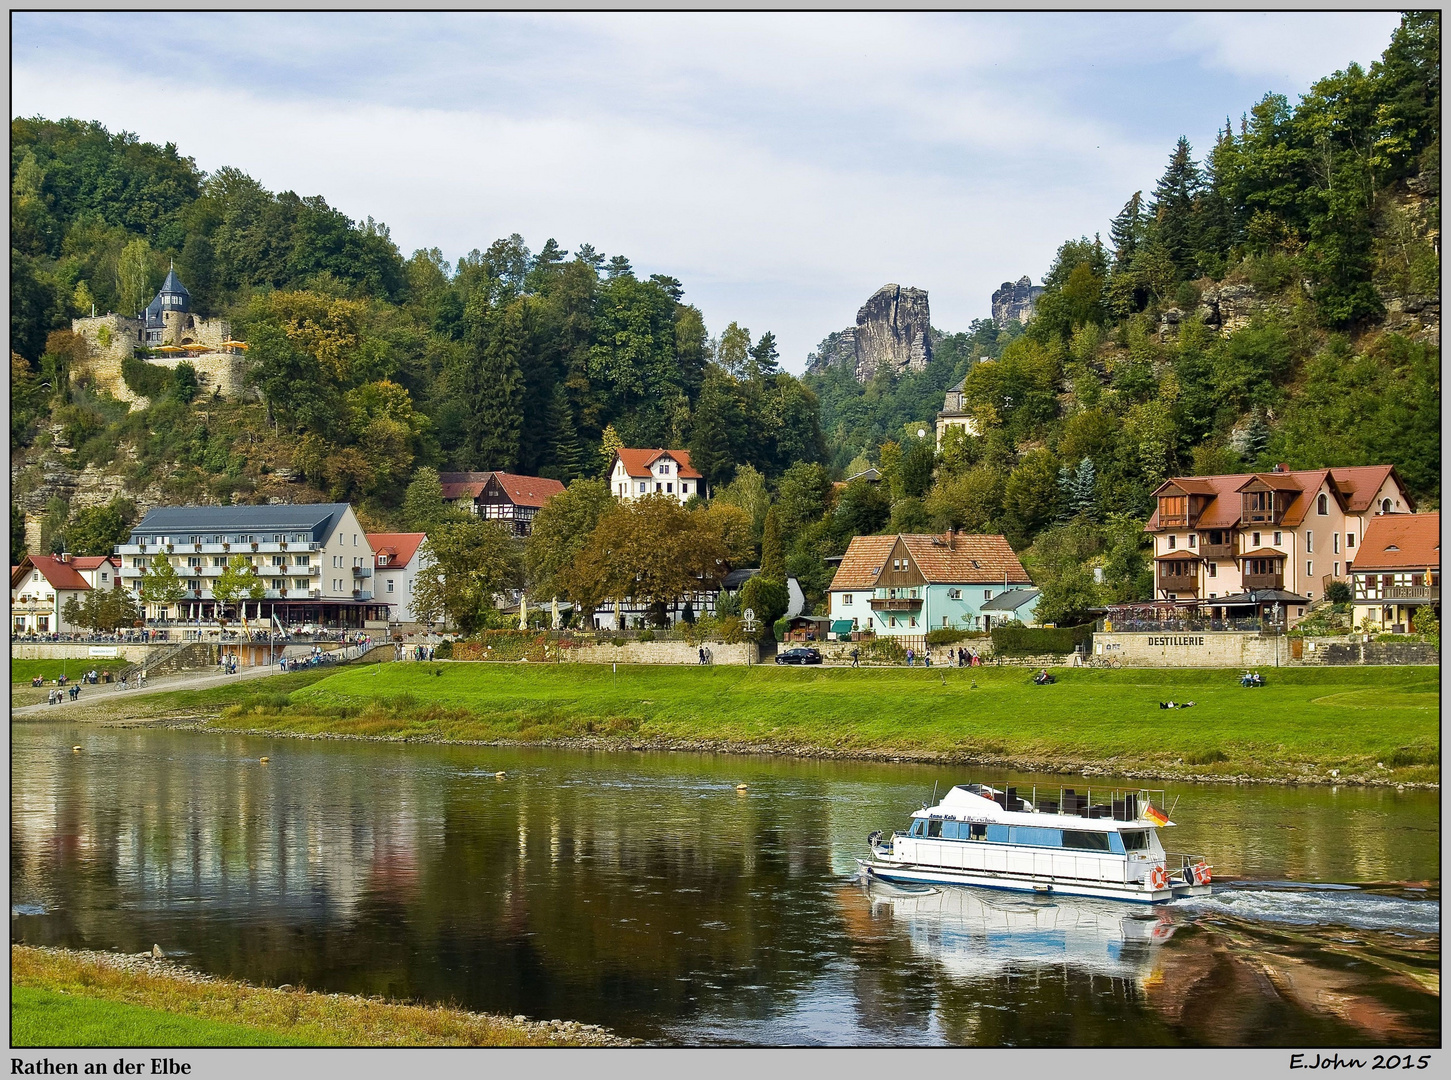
x,y
1158,817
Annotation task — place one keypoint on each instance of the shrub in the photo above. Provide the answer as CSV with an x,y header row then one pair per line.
x,y
780,627
1338,592
1034,641
1206,757
443,650
884,648
1412,755
145,379
945,635
645,635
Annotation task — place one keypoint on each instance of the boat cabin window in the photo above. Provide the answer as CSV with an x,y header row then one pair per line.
x,y
917,827
934,827
976,832
1135,839
1085,841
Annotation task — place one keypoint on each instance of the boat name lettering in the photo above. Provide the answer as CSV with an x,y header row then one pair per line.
x,y
1176,640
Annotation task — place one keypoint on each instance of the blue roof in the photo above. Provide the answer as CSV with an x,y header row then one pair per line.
x,y
319,519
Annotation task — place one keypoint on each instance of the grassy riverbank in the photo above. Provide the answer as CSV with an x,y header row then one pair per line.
x,y
1368,723
61,997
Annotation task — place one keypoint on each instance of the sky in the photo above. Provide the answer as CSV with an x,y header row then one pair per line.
x,y
782,166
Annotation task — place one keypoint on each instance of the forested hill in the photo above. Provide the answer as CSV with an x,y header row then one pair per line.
x,y
371,364
1277,300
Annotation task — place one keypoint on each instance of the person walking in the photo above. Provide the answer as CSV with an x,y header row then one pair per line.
x,y
911,657
702,656
856,657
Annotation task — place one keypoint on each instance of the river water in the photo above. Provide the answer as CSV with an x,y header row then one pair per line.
x,y
645,893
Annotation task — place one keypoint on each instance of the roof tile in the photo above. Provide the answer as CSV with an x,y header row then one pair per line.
x,y
1400,541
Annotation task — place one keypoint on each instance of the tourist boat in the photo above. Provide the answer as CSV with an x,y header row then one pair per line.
x,y
1088,843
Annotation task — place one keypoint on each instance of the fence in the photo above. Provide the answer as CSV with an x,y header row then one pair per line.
x,y
1114,625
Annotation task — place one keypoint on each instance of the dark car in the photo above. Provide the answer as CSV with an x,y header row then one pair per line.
x,y
799,656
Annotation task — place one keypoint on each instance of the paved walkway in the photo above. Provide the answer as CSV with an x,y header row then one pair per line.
x,y
105,693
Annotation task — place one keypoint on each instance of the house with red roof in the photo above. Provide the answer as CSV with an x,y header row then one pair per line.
x,y
41,586
637,473
1265,544
905,585
396,561
1396,571
500,496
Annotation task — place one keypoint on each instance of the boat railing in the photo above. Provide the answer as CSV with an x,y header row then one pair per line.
x,y
1115,803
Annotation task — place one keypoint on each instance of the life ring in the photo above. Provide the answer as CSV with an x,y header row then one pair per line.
x,y
1201,874
1158,879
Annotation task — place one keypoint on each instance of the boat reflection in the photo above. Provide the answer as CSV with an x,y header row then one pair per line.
x,y
979,933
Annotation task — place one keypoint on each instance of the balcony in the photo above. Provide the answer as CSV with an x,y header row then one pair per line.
x,y
896,603
1178,584
1253,582
362,571
1424,594
1215,551
362,594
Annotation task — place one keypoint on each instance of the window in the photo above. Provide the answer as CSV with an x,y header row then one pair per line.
x,y
944,622
846,599
1278,539
1172,542
1135,839
105,576
987,594
303,560
684,487
1309,543
1309,570
219,560
642,487
390,584
664,469
1173,508
1349,540
1322,505
1085,841
1385,506
912,620
1335,543
917,827
279,560
1213,570
934,827
299,583
976,832
670,487
193,560
279,583
1192,539
1254,540
954,594
1336,572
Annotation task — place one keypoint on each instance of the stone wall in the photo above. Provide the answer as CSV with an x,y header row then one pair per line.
x,y
660,652
1252,650
110,339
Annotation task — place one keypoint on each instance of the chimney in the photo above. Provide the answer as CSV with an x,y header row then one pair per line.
x,y
1282,468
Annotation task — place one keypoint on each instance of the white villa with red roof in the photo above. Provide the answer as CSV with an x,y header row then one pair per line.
x,y
637,473
905,585
500,496
1397,570
1257,540
41,585
396,562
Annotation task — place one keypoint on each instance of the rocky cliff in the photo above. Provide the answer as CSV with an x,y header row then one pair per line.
x,y
1015,300
893,331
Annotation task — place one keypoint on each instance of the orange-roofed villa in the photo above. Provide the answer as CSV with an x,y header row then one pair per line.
x,y
637,473
1397,571
1265,545
902,586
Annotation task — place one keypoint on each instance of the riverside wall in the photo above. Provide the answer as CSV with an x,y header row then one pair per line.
x,y
1230,649
661,652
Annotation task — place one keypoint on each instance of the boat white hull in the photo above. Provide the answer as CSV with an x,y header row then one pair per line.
x,y
934,875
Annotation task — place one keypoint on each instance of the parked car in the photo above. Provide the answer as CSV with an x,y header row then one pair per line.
x,y
799,656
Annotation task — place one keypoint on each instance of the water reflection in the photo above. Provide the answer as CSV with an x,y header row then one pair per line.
x,y
644,893
979,933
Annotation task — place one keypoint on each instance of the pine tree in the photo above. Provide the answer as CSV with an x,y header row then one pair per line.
x,y
1082,493
497,418
1127,230
1176,208
1065,494
564,449
618,266
773,553
764,357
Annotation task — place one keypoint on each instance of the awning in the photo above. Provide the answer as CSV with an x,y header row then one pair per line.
x,y
1010,601
1254,599
841,626
1177,556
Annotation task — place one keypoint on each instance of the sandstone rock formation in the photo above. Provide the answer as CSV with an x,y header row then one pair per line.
x,y
893,331
1015,300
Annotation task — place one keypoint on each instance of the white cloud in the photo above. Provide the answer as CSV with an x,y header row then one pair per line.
x,y
1286,47
782,166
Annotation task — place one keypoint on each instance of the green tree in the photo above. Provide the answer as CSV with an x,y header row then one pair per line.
x,y
773,554
467,566
423,505
1030,497
1175,210
97,530
238,582
135,276
560,530
161,586
1068,597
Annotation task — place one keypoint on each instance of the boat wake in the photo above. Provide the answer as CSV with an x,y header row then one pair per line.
x,y
1336,905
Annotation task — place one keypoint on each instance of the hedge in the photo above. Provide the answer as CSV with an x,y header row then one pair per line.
x,y
145,379
1035,641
